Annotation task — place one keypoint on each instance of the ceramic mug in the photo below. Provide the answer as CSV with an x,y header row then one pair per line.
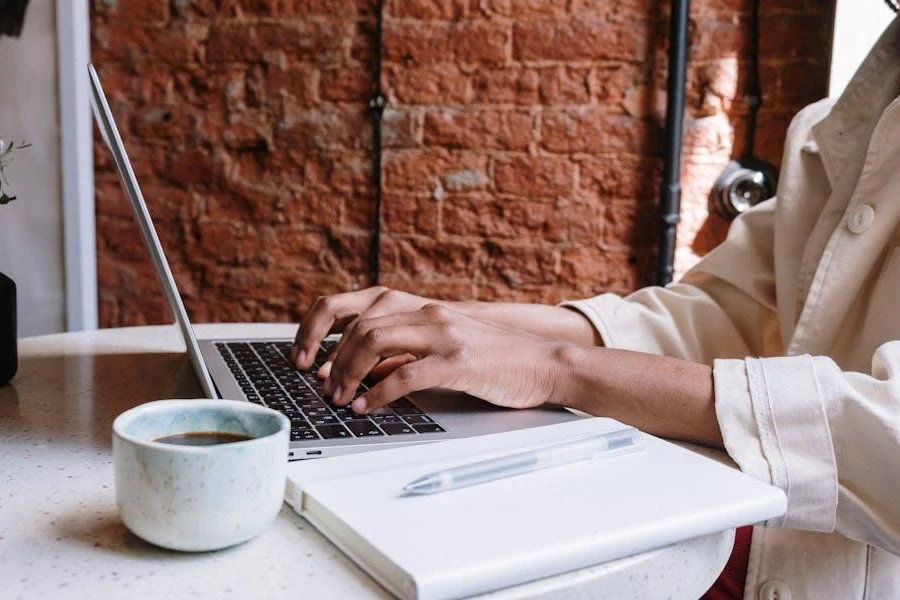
x,y
197,498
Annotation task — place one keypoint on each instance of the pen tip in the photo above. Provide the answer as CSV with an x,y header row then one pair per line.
x,y
419,486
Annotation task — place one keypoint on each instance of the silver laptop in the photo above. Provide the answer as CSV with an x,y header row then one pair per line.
x,y
258,370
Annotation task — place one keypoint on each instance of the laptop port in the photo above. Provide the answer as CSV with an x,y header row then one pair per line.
x,y
313,452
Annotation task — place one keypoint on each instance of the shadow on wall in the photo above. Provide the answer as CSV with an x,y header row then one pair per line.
x,y
12,17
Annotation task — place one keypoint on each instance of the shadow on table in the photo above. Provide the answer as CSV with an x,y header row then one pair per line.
x,y
105,532
74,399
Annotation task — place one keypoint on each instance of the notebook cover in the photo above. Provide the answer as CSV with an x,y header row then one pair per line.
x,y
511,531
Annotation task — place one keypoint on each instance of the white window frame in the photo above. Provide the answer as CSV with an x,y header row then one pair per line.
x,y
857,26
77,164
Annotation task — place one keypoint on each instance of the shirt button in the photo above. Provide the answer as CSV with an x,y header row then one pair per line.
x,y
861,219
774,590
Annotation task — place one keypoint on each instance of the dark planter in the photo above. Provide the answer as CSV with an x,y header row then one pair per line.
x,y
9,358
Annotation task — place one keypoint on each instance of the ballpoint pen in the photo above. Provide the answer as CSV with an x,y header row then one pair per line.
x,y
524,462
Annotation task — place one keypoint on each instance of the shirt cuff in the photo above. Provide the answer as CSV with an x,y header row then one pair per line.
x,y
593,310
775,427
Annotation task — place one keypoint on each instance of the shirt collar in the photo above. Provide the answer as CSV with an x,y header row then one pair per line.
x,y
843,136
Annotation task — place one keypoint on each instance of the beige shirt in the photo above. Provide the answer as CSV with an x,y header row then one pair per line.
x,y
798,311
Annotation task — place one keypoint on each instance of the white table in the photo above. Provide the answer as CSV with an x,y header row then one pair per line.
x,y
61,536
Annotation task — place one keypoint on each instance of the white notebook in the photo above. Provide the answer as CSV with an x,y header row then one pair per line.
x,y
507,532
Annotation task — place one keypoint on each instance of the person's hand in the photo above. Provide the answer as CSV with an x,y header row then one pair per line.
x,y
331,314
447,349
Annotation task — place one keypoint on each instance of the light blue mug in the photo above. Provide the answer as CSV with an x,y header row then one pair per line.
x,y
196,498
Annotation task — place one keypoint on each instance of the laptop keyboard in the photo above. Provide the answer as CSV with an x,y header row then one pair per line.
x,y
264,373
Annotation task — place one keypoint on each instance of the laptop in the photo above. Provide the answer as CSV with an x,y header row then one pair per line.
x,y
259,370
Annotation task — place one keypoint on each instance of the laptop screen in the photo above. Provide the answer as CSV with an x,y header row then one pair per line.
x,y
113,141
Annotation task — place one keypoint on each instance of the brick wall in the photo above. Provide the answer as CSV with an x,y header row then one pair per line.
x,y
523,143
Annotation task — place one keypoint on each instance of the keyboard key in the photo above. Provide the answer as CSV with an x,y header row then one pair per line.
x,y
405,407
323,419
429,428
396,428
333,431
417,419
379,419
304,435
363,428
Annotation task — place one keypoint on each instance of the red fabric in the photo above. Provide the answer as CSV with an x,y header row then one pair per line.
x,y
730,584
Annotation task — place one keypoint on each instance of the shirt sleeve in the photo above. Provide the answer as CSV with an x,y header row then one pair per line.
x,y
823,436
796,422
723,308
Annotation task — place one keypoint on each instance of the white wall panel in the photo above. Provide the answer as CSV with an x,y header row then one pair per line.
x,y
31,239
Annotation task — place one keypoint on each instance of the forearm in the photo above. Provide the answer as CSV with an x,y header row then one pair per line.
x,y
663,396
546,321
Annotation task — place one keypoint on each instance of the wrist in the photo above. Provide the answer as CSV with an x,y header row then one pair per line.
x,y
564,361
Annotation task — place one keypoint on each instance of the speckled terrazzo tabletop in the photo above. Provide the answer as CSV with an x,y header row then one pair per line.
x,y
61,535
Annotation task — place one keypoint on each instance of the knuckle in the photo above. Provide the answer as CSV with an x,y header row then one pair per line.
x,y
372,337
436,311
392,295
326,303
405,374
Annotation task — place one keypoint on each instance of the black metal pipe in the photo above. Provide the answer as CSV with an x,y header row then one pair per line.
x,y
377,104
670,195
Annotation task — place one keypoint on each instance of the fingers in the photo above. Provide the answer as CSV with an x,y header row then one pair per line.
x,y
372,343
387,302
412,377
328,313
389,365
379,371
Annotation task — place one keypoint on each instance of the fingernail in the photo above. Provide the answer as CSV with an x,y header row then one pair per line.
x,y
301,358
359,405
325,370
336,395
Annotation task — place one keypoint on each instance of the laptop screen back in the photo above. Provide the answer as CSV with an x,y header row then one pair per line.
x,y
113,141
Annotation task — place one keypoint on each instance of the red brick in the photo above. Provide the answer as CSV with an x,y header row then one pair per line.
x,y
464,41
341,171
518,9
315,41
401,128
488,216
427,259
352,84
778,36
428,9
594,131
432,84
535,176
564,85
500,130
578,39
192,167
410,214
506,86
520,265
595,271
140,11
628,226
623,177
335,128
430,170
299,82
331,8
